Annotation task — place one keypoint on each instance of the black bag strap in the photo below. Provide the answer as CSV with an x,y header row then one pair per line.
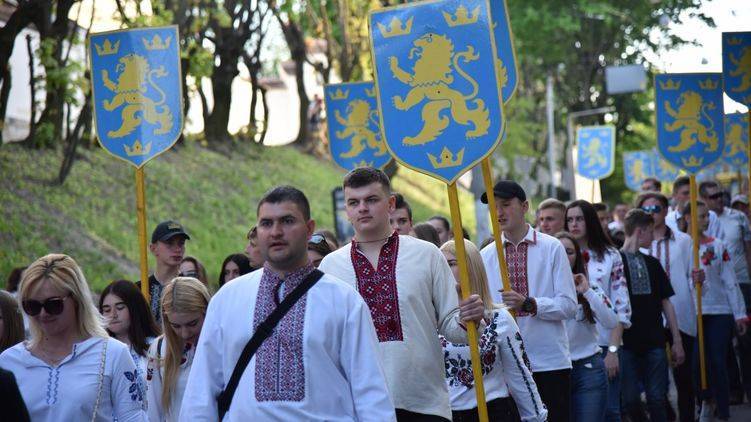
x,y
264,330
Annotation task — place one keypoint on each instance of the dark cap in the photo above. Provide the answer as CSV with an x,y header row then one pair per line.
x,y
506,189
166,230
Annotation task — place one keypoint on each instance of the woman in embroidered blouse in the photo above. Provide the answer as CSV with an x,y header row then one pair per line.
x,y
722,305
604,267
184,303
589,382
505,365
70,369
129,320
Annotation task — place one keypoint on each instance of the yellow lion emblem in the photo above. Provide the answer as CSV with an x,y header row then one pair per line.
x,y
593,155
637,171
135,76
431,77
742,69
734,141
359,117
691,107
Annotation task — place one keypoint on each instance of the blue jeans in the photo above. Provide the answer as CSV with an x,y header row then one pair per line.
x,y
718,329
613,403
589,389
649,368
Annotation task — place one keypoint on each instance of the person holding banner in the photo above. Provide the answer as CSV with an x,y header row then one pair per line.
x,y
542,294
410,290
722,308
681,194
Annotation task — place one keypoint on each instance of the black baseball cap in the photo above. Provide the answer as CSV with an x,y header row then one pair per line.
x,y
166,230
506,189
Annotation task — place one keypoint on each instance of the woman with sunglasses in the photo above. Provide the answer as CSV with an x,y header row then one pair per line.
x,y
722,311
70,369
184,303
192,267
318,247
234,266
604,267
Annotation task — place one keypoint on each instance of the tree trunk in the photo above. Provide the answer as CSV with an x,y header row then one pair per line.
x,y
73,140
221,86
204,105
26,13
4,94
32,88
296,44
265,104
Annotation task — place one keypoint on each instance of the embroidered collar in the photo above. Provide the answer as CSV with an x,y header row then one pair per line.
x,y
291,280
394,235
530,237
78,349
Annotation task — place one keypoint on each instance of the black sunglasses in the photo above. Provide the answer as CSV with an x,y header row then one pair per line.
x,y
717,195
53,306
317,239
651,209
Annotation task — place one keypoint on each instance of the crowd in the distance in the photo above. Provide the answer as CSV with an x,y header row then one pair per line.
x,y
599,308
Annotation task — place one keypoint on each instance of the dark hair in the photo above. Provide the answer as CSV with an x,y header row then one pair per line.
x,y
656,182
636,218
14,279
651,195
364,176
600,206
200,270
443,220
286,194
331,237
402,203
242,262
707,184
680,182
13,330
322,246
686,212
597,240
252,233
142,324
427,233
579,267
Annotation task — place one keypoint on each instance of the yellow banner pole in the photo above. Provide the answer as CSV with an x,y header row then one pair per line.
x,y
141,211
592,197
487,175
699,321
461,259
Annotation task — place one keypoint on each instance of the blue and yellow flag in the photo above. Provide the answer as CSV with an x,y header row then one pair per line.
x,y
595,152
690,119
354,126
736,66
663,170
439,93
137,91
637,166
736,140
504,40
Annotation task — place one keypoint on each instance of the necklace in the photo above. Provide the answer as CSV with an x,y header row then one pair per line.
x,y
372,241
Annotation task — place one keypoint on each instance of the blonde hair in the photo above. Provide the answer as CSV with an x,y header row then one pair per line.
x,y
183,295
64,274
478,278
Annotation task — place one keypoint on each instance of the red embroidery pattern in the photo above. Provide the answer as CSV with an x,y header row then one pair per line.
x,y
280,371
516,260
377,286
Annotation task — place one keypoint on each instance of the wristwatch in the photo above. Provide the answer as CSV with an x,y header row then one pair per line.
x,y
529,305
613,349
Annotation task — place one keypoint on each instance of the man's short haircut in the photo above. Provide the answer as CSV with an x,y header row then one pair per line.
x,y
707,184
552,203
364,176
636,218
601,206
443,220
656,182
286,194
651,195
402,203
680,182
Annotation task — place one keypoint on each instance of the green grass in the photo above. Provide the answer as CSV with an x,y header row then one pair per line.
x,y
92,217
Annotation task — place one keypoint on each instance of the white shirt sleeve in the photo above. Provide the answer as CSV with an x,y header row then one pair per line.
x,y
733,292
601,307
563,305
619,290
715,228
445,300
206,379
154,383
125,394
517,374
362,365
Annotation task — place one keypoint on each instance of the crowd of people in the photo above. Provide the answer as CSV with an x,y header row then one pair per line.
x,y
601,308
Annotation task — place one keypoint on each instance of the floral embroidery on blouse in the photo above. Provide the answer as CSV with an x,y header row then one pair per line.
x,y
459,369
708,256
136,394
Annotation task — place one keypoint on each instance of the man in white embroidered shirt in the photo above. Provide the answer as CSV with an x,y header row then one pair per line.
x,y
321,361
542,294
411,293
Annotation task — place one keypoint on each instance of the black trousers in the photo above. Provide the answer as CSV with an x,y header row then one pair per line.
x,y
555,392
683,375
501,409
407,416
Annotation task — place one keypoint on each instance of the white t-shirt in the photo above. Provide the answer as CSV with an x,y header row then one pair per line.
x,y
607,272
736,232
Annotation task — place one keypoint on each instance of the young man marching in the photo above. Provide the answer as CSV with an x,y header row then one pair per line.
x,y
410,290
168,247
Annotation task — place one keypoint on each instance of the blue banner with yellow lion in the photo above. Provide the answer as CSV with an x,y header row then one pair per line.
x,y
690,132
736,140
595,151
137,91
736,66
507,71
438,86
354,126
637,166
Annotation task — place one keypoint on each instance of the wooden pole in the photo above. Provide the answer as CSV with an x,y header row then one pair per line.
x,y
593,192
487,175
461,259
141,212
699,321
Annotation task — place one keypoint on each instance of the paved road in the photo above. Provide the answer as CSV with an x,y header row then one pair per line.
x,y
740,413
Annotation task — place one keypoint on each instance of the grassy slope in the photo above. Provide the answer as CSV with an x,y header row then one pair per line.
x,y
92,217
